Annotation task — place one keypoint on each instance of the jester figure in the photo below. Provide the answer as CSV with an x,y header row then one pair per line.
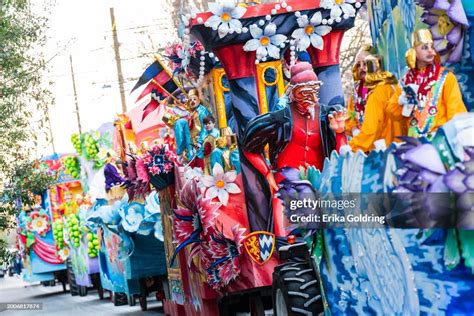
x,y
188,123
430,93
300,135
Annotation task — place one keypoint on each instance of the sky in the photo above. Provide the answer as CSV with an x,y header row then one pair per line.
x,y
82,29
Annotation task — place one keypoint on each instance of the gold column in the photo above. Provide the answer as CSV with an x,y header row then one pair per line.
x,y
262,83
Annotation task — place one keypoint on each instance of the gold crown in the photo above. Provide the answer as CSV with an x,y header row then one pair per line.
x,y
420,37
374,64
365,48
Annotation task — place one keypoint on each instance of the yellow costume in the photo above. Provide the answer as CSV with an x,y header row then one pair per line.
x,y
433,96
449,104
377,124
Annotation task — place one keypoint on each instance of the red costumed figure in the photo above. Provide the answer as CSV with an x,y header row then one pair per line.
x,y
300,135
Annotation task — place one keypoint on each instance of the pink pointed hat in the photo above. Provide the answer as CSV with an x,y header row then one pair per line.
x,y
303,73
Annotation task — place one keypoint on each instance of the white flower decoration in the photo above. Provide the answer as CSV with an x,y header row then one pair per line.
x,y
265,41
226,18
310,32
220,184
339,7
63,253
39,224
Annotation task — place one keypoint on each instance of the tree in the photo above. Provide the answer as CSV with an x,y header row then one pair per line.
x,y
28,179
22,34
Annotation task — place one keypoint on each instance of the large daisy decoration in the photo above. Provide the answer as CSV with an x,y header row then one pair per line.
x,y
310,32
340,8
38,222
220,184
266,42
225,18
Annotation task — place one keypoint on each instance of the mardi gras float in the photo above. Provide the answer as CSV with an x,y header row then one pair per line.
x,y
87,167
44,247
113,236
220,221
125,216
244,119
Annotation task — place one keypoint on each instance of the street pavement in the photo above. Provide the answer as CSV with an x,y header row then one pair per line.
x,y
57,302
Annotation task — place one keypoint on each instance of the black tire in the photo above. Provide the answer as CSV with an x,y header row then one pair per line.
x,y
296,290
71,279
120,299
82,290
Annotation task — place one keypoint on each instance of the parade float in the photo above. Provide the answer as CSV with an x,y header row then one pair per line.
x,y
126,215
87,165
131,254
196,204
227,240
44,246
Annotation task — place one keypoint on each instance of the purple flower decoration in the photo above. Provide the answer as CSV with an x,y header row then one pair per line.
x,y
461,181
447,21
422,168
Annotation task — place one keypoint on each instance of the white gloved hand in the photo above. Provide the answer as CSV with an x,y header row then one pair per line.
x,y
403,100
355,132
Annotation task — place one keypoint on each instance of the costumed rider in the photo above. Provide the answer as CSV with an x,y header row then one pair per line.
x,y
357,101
198,113
209,131
226,152
377,130
187,124
114,182
177,117
298,136
430,93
